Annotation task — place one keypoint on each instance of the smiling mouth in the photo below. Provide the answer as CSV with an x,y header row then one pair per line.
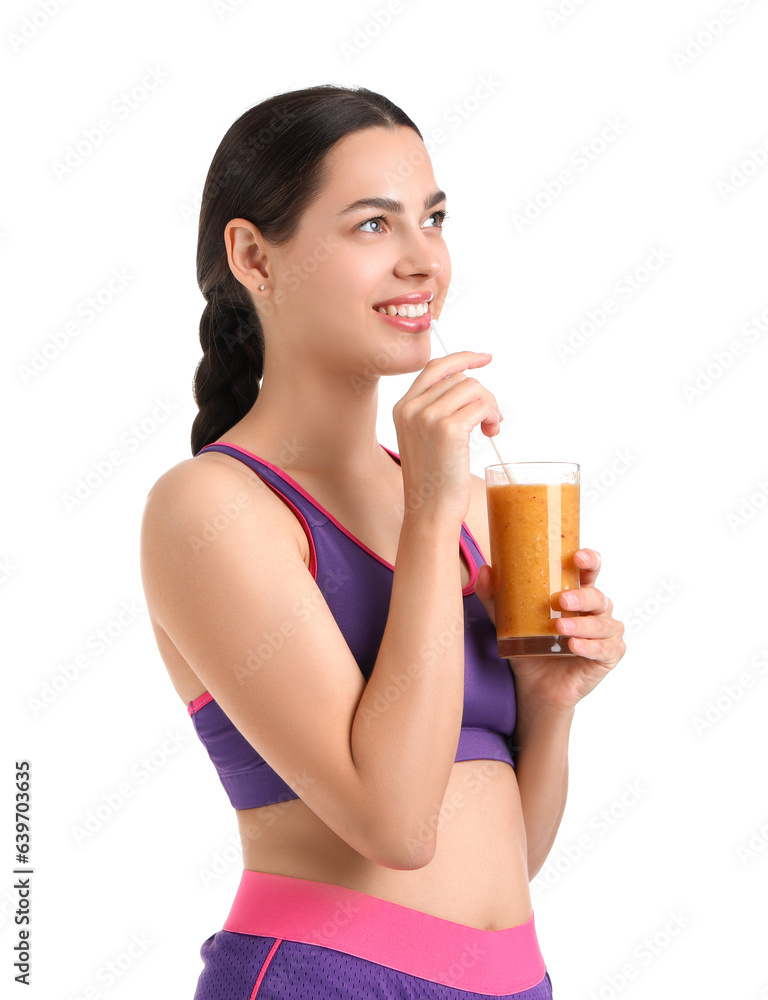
x,y
406,316
408,309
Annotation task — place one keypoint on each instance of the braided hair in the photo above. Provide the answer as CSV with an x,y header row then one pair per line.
x,y
267,169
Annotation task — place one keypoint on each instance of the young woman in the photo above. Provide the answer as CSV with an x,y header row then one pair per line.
x,y
323,604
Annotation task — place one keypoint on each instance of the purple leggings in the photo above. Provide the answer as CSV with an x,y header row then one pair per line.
x,y
296,939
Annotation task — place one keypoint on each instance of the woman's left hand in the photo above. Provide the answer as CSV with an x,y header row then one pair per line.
x,y
594,635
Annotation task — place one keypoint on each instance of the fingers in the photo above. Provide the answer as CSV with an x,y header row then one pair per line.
x,y
585,600
607,652
589,626
593,633
588,563
437,368
465,394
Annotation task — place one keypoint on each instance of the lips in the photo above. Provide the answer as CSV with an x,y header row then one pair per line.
x,y
409,298
411,324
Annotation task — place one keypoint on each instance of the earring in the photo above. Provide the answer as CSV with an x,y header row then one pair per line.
x,y
261,288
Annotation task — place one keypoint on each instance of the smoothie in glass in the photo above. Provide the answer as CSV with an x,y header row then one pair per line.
x,y
534,532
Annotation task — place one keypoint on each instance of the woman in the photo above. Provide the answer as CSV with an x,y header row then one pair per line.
x,y
337,661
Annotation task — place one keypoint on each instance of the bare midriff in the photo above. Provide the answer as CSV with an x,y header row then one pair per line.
x,y
478,875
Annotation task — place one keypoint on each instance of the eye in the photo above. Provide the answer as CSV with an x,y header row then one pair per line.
x,y
441,215
378,218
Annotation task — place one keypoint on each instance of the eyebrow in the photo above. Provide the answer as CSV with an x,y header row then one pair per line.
x,y
391,204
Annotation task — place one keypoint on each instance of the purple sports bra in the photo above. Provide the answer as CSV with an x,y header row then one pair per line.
x,y
361,613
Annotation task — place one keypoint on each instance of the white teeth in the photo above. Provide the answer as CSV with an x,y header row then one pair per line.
x,y
410,310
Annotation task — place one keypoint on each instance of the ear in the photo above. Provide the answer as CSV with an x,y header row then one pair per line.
x,y
246,253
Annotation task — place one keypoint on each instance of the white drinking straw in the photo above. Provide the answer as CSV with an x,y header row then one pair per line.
x,y
493,439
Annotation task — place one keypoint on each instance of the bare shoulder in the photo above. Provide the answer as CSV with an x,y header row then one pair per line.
x,y
477,516
222,487
198,499
201,479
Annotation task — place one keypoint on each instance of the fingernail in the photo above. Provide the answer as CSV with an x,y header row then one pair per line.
x,y
570,600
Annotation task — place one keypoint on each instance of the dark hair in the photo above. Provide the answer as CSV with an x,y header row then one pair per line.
x,y
267,169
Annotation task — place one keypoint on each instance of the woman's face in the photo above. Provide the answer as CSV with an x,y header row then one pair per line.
x,y
328,283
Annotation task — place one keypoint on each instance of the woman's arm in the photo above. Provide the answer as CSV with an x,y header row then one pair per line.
x,y
373,758
547,690
541,766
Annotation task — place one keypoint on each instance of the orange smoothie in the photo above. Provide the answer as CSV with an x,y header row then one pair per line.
x,y
534,533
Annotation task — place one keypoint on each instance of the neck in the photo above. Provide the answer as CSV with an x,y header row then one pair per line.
x,y
324,425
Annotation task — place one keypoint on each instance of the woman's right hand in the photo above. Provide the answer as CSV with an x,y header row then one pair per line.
x,y
434,420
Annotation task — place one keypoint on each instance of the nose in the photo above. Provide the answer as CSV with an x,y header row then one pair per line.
x,y
420,254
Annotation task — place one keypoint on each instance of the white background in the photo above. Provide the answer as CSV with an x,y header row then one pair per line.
x,y
675,481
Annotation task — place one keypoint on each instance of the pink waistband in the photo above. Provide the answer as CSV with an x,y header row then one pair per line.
x,y
417,943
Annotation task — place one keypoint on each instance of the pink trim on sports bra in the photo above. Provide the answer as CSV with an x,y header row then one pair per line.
x,y
476,545
473,568
196,704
